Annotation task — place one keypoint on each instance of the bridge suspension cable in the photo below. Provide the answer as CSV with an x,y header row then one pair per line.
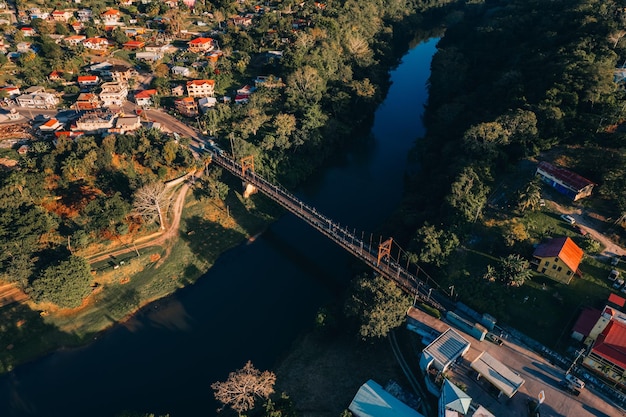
x,y
377,257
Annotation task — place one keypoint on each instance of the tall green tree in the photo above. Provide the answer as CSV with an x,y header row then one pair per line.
x,y
65,284
378,305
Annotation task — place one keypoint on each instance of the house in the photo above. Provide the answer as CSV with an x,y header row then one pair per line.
x,y
133,45
51,125
113,94
144,98
127,124
84,15
23,150
61,15
214,56
37,13
23,47
35,89
28,32
201,88
96,44
585,324
172,4
95,122
11,91
110,17
121,73
607,356
77,27
200,45
88,81
74,39
205,103
182,71
101,67
268,81
242,99
37,100
244,21
54,76
190,3
87,101
126,2
186,106
246,90
564,181
558,259
148,56
178,91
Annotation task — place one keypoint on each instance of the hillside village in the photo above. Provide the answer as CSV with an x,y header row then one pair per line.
x,y
187,63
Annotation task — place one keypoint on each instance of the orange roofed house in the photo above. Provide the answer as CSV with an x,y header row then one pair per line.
x,y
558,258
201,88
200,45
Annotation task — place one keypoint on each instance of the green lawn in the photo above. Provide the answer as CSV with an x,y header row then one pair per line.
x,y
542,308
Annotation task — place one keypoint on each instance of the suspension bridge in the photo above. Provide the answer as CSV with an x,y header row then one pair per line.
x,y
383,257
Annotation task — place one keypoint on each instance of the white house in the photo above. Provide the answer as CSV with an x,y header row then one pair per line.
x,y
96,44
182,71
113,94
201,88
37,101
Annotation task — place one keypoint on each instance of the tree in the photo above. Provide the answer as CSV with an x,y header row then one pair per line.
x,y
468,194
529,197
243,387
434,245
65,284
378,304
514,270
151,201
305,86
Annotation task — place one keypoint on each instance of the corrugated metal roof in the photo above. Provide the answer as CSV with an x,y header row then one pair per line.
x,y
566,177
611,343
446,348
498,374
373,401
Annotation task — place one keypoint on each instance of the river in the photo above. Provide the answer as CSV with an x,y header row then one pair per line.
x,y
251,305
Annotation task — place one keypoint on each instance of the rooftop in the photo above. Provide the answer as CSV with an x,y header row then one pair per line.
x,y
563,248
567,177
494,371
446,348
611,343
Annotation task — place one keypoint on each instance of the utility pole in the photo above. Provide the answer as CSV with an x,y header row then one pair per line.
x,y
579,353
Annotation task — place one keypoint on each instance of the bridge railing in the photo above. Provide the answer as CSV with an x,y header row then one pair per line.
x,y
342,236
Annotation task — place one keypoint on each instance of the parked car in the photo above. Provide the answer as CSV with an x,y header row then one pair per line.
x,y
577,383
493,338
613,275
580,230
615,260
569,388
569,219
618,283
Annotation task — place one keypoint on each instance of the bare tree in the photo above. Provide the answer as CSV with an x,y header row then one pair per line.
x,y
151,201
243,387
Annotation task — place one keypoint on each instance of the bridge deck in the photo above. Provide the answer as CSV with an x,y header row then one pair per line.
x,y
387,267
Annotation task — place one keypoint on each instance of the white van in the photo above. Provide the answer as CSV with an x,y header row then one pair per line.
x,y
574,381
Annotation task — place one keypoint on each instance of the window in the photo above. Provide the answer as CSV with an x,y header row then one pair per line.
x,y
553,266
547,263
556,259
568,273
559,269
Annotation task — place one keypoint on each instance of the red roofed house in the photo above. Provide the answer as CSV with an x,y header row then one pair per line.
x,y
131,45
585,324
558,258
186,106
201,45
201,88
51,125
87,101
144,98
61,15
111,17
565,181
28,31
74,39
608,353
96,44
85,81
54,76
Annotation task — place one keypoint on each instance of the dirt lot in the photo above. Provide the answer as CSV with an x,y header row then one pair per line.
x,y
322,374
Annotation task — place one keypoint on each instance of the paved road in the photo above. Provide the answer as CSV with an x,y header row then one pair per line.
x,y
538,373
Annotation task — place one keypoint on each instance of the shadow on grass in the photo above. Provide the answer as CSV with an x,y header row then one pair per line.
x,y
208,239
25,335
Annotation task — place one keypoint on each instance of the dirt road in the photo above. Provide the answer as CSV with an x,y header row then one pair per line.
x,y
156,239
